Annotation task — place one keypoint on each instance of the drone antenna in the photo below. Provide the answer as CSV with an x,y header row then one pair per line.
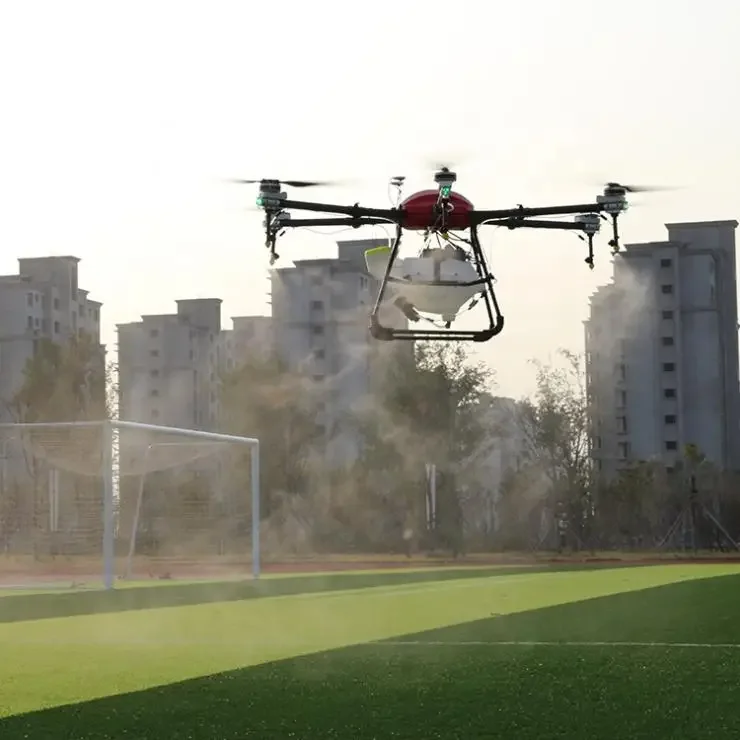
x,y
397,184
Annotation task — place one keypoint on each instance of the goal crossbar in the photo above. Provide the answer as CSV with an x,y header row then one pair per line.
x,y
108,428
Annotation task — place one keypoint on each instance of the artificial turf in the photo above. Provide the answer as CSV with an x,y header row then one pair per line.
x,y
496,656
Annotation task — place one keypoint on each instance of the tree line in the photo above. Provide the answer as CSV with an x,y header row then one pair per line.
x,y
508,474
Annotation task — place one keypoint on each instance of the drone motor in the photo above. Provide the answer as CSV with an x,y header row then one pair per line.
x,y
590,223
445,178
613,199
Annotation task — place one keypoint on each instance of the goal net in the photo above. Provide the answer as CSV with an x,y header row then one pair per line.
x,y
83,503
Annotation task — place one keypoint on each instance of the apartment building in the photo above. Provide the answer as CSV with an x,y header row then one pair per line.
x,y
170,365
662,351
500,453
42,301
248,337
320,311
167,366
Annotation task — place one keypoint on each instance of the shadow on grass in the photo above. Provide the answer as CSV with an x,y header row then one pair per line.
x,y
75,603
409,688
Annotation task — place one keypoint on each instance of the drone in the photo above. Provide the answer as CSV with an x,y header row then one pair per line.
x,y
450,274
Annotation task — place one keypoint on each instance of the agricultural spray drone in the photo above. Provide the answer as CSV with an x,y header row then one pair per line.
x,y
450,273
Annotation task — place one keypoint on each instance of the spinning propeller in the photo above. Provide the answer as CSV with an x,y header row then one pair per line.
x,y
616,186
289,183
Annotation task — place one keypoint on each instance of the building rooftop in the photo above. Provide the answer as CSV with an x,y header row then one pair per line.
x,y
702,224
69,257
199,300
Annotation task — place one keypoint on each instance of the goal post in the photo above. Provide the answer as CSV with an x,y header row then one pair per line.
x,y
75,497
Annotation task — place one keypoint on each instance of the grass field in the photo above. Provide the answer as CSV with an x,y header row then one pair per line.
x,y
577,652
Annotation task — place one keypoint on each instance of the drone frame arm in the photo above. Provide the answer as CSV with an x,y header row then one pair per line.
x,y
525,223
348,221
392,215
521,213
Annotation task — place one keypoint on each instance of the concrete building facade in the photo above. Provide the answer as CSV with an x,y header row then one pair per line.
x,y
43,301
167,366
662,351
45,507
320,311
170,365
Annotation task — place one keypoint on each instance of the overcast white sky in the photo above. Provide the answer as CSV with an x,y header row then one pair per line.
x,y
118,119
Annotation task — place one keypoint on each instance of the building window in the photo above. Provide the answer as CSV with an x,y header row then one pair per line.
x,y
155,414
363,282
623,450
56,327
154,353
669,367
317,305
319,354
667,314
621,399
154,373
318,378
669,393
671,445
317,329
153,333
666,289
622,424
316,280
621,371
154,393
30,322
29,298
669,418
667,341
665,262
56,304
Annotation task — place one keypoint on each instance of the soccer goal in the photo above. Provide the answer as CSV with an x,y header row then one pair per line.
x,y
83,503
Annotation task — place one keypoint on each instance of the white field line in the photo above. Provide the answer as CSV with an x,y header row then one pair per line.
x,y
555,643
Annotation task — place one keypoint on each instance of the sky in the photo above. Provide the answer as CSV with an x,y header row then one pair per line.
x,y
119,122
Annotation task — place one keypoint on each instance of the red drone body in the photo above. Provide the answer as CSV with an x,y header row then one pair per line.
x,y
421,214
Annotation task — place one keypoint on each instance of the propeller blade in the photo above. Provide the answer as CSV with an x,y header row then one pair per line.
x,y
289,183
446,161
641,188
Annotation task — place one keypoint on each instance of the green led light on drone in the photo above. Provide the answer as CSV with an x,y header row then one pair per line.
x,y
260,200
445,191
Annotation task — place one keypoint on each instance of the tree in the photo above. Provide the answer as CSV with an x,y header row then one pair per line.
x,y
426,409
263,399
62,382
554,426
630,509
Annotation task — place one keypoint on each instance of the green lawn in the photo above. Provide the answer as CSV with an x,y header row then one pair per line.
x,y
442,654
